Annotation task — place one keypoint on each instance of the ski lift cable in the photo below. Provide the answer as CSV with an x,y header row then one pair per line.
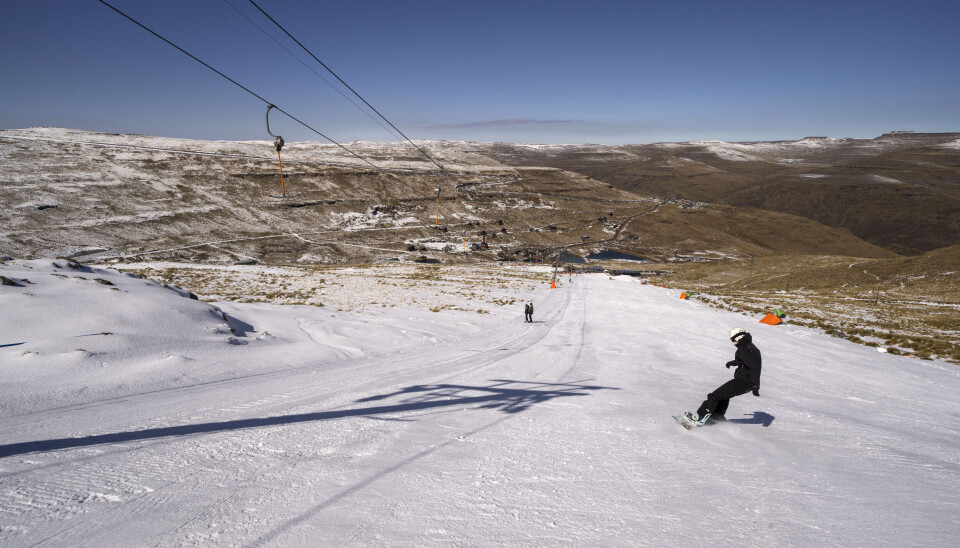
x,y
427,156
241,86
308,67
278,143
248,90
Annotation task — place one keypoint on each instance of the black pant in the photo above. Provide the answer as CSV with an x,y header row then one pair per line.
x,y
718,400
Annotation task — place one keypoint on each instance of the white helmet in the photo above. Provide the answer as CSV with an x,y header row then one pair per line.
x,y
736,334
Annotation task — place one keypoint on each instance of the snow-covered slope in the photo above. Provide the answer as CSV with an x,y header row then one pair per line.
x,y
403,427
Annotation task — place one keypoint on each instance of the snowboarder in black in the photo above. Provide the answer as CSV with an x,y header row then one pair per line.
x,y
746,378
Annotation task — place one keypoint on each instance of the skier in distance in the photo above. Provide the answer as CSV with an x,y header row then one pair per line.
x,y
746,378
528,312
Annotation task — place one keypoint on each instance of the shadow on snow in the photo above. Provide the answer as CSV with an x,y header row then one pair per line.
x,y
759,417
505,395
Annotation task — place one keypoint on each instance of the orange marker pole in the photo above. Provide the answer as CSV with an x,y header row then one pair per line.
x,y
283,188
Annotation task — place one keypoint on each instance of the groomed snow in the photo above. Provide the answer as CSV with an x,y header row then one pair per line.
x,y
304,426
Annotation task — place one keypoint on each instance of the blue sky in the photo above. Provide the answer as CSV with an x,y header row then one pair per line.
x,y
514,71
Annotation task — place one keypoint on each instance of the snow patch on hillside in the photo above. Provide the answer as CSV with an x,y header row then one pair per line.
x,y
764,151
729,151
955,145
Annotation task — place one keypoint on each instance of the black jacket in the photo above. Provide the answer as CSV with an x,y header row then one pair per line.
x,y
748,361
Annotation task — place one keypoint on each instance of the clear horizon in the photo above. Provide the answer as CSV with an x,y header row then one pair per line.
x,y
620,73
519,143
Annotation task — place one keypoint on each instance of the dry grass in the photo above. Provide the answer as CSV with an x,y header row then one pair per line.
x,y
357,287
906,305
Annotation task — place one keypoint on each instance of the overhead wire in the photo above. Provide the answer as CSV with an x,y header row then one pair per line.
x,y
308,67
267,15
265,101
251,92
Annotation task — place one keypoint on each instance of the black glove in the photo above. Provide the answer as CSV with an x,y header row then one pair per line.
x,y
731,363
756,391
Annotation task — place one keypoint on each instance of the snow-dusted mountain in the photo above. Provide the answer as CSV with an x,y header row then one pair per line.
x,y
69,192
900,191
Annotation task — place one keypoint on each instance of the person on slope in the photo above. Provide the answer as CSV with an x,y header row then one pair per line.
x,y
531,313
526,313
746,378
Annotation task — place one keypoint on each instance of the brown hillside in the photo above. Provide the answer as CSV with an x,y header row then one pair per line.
x,y
900,191
144,198
906,304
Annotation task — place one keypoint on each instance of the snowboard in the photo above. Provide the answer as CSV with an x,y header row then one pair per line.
x,y
679,419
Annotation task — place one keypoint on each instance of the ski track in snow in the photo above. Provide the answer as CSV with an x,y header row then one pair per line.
x,y
485,431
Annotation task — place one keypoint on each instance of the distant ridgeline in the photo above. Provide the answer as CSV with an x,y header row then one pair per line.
x,y
899,191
